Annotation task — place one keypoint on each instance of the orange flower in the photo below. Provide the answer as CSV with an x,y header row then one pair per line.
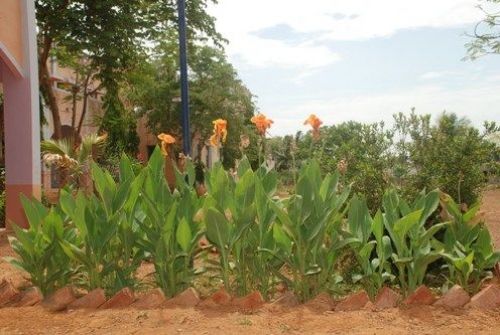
x,y
315,123
166,141
220,132
262,123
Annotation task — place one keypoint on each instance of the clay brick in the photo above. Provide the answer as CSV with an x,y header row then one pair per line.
x,y
354,302
422,296
188,298
487,298
91,300
387,298
8,293
150,300
30,297
221,297
251,301
60,299
123,298
456,297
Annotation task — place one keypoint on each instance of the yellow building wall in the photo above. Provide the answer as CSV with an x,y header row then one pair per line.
x,y
11,29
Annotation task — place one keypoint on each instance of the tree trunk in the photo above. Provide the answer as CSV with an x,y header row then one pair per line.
x,y
75,91
86,94
46,87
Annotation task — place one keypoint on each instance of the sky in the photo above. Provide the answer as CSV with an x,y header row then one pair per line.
x,y
360,60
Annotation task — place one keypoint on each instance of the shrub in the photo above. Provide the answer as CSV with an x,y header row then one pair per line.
x,y
106,250
307,232
376,271
38,247
170,235
365,148
238,218
414,246
100,239
450,155
469,252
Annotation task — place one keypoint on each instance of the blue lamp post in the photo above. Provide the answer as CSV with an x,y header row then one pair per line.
x,y
186,133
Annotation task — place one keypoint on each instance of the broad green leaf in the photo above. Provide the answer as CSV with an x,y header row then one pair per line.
x,y
403,225
184,235
218,230
282,239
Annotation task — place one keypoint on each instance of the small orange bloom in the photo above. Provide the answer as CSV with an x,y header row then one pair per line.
x,y
166,141
262,123
220,132
315,123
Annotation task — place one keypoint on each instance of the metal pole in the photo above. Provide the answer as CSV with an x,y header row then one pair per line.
x,y
186,133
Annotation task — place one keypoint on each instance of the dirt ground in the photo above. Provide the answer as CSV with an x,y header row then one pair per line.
x,y
269,320
491,208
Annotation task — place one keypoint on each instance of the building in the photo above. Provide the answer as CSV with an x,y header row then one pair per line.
x,y
20,99
19,86
72,112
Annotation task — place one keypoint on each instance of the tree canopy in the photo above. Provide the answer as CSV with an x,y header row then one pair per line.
x,y
486,34
215,92
112,35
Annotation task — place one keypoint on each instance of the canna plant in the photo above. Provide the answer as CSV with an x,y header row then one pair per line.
x,y
469,252
376,271
414,246
307,233
262,264
170,235
238,219
106,250
38,249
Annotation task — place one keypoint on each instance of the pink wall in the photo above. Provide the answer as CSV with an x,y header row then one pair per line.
x,y
19,75
11,32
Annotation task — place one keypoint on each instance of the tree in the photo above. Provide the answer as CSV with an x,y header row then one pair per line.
x,y
215,92
486,35
111,35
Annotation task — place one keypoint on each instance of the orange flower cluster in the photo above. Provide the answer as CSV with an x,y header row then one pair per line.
x,y
262,123
166,141
220,132
315,123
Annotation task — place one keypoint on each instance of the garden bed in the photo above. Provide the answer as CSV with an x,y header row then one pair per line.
x,y
270,318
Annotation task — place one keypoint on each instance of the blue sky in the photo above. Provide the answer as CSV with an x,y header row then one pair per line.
x,y
358,59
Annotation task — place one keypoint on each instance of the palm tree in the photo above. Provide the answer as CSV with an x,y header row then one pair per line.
x,y
73,159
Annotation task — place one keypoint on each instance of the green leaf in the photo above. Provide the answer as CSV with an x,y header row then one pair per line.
x,y
282,239
403,225
34,211
218,230
184,235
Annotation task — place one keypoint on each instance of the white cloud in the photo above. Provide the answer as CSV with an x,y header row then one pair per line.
x,y
438,75
259,52
327,20
476,103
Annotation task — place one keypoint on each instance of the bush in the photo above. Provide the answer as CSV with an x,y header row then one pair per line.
x,y
169,234
307,232
365,149
469,252
450,155
100,239
39,249
239,221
